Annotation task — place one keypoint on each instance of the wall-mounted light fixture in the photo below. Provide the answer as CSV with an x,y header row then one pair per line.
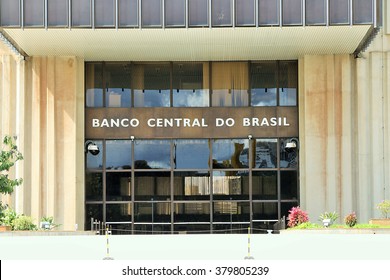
x,y
292,143
92,148
250,136
132,138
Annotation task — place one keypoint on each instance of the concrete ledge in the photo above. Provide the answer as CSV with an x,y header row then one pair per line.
x,y
338,231
45,233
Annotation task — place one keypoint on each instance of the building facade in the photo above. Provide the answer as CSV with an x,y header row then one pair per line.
x,y
166,116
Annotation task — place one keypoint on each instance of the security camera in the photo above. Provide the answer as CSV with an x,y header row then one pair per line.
x,y
132,138
250,136
291,144
92,148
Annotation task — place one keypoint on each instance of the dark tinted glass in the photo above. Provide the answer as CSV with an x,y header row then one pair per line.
x,y
245,12
288,184
152,154
152,186
94,187
191,154
104,13
269,12
265,153
94,85
119,213
81,12
292,12
288,83
57,14
118,186
231,212
128,12
264,211
191,185
315,12
339,11
264,84
230,153
175,12
264,185
362,11
118,154
151,13
198,12
10,13
153,213
95,161
288,157
192,212
33,12
230,185
93,211
221,12
118,78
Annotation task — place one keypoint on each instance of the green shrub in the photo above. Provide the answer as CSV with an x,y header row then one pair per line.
x,y
384,207
351,219
8,217
24,223
332,216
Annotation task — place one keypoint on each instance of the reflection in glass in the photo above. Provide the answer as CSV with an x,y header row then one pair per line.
x,y
118,186
10,13
93,85
93,211
128,13
315,12
151,13
221,12
81,12
93,186
118,154
198,12
230,153
264,185
156,212
269,12
288,157
192,228
288,184
118,212
117,78
192,212
339,11
231,212
292,12
33,12
152,186
265,153
152,154
230,84
362,11
95,162
191,185
286,207
288,84
191,154
264,84
57,12
245,12
230,184
265,211
104,13
175,13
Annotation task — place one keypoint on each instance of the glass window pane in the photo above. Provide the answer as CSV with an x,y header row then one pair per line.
x,y
292,12
192,212
118,186
245,12
315,12
268,12
231,212
230,84
93,186
191,185
264,84
118,91
152,213
95,161
150,186
264,185
119,213
151,12
192,228
190,85
198,12
118,154
104,13
288,184
191,154
152,154
152,85
288,157
263,211
93,85
128,12
57,14
379,6
266,153
33,13
93,211
81,12
339,11
221,12
10,13
288,83
175,12
286,207
230,185
230,153
362,11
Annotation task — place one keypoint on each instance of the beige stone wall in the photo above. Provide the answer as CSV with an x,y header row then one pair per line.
x,y
42,102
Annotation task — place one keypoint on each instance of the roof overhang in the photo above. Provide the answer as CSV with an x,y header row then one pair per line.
x,y
192,44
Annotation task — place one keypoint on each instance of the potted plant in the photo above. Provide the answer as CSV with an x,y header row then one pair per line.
x,y
384,208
